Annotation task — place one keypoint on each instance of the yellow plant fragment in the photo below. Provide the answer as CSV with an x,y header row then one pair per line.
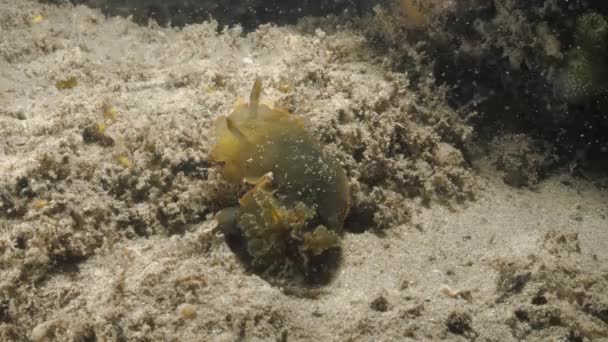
x,y
124,161
109,112
209,89
413,12
101,128
40,203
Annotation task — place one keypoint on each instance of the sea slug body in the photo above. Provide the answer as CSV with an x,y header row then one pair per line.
x,y
300,195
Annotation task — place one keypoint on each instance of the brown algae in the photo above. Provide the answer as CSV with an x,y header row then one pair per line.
x,y
300,196
68,83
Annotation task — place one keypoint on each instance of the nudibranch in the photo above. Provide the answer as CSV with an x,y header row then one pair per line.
x,y
299,195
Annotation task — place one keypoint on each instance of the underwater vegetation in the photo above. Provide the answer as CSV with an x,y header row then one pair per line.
x,y
300,197
537,68
413,12
67,83
584,72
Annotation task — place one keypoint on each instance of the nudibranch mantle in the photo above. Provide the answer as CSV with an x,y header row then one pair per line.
x,y
299,192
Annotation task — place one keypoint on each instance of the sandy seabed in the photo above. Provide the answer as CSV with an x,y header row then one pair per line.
x,y
110,235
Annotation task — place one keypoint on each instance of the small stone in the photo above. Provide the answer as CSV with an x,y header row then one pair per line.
x,y
379,304
447,155
42,331
94,134
459,323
